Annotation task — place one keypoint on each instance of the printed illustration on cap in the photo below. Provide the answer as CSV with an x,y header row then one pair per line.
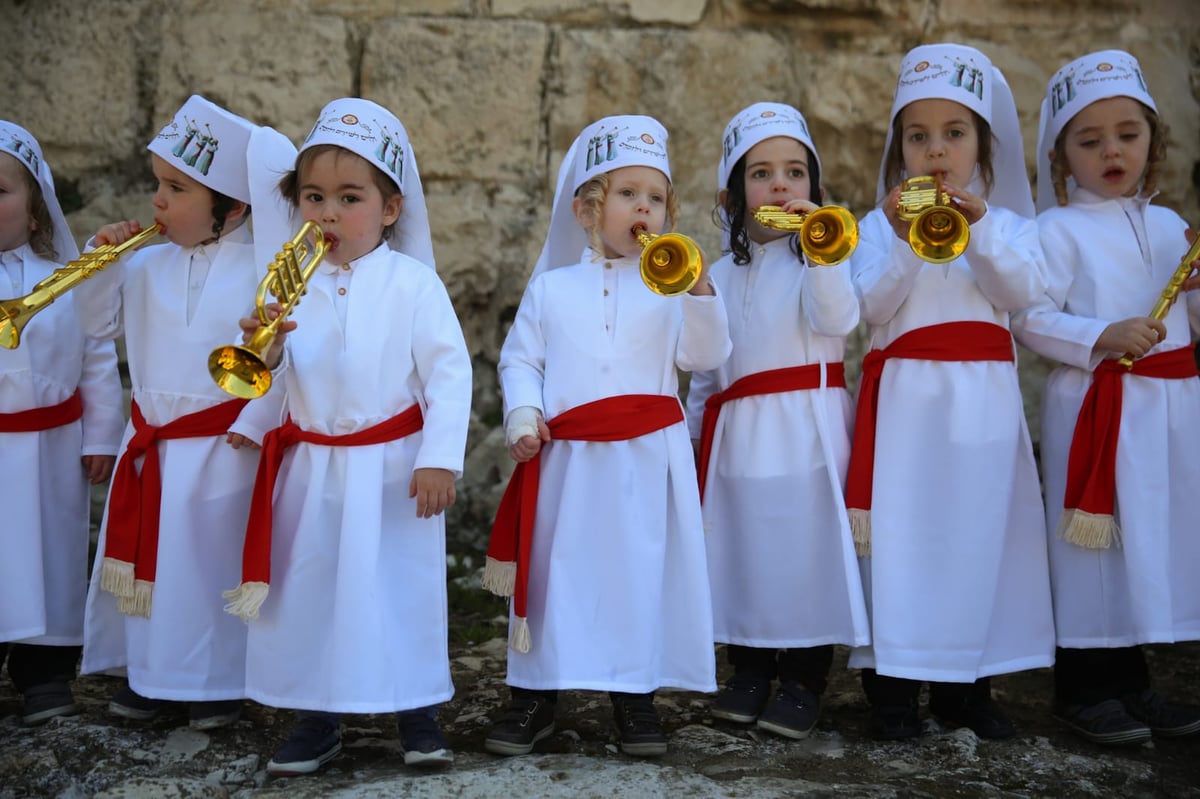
x,y
390,153
25,151
601,149
962,74
195,148
1068,86
360,137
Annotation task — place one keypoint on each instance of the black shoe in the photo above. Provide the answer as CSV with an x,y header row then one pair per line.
x,y
895,722
528,720
44,702
214,715
980,713
742,699
312,743
422,741
1162,717
637,719
129,704
792,711
1106,723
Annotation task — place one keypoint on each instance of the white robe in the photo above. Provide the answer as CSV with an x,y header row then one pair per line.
x,y
957,584
618,586
1145,589
356,618
189,649
43,488
781,560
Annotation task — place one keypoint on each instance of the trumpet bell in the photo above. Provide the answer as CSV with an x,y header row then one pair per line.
x,y
670,264
239,371
939,234
829,235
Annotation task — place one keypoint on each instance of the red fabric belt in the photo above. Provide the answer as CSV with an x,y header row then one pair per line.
x,y
951,341
773,381
611,419
47,418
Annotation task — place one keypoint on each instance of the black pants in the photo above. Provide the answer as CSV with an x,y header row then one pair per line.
x,y
522,695
1090,676
883,691
30,665
809,665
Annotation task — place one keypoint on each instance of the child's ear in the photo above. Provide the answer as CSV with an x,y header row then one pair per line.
x,y
821,194
583,213
236,211
392,208
722,196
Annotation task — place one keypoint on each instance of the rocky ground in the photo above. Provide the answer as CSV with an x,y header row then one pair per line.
x,y
92,755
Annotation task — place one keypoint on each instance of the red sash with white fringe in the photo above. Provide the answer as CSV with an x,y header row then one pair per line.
x,y
611,419
246,600
1090,498
950,341
131,535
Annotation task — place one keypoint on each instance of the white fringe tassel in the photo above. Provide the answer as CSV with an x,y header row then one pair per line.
x,y
1089,530
246,600
520,641
500,577
860,529
139,603
116,577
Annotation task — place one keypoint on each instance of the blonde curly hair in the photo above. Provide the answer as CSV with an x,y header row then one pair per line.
x,y
591,197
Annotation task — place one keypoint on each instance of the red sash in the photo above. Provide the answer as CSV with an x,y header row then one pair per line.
x,y
247,598
1088,504
774,381
131,544
611,419
950,341
47,418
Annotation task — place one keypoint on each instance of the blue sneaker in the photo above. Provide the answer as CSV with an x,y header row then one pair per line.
x,y
312,743
422,741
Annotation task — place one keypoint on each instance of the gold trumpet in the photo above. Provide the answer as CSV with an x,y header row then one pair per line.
x,y
16,313
827,235
1171,292
670,264
939,232
242,370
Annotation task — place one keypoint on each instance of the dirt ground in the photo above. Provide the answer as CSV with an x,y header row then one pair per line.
x,y
95,755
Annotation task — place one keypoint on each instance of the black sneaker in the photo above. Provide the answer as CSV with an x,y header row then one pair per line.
x,y
637,719
792,711
1162,717
895,722
1106,723
214,715
312,743
742,699
129,704
422,741
44,702
980,713
527,721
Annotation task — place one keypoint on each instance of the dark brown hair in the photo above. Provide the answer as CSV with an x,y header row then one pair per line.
x,y
41,238
893,167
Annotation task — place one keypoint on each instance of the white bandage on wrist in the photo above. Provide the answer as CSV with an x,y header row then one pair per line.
x,y
521,422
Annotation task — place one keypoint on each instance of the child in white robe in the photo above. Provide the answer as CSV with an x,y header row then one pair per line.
x,y
609,583
377,389
1118,439
942,488
154,606
60,423
774,429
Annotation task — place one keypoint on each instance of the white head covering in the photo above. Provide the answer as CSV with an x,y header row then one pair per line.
x,y
369,130
19,143
611,143
208,144
757,123
966,76
1096,76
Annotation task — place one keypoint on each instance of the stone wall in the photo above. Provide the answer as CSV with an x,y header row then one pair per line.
x,y
493,91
